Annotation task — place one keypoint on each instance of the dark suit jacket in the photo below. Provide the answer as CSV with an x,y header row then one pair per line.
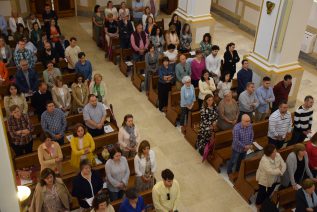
x,y
23,85
301,203
230,61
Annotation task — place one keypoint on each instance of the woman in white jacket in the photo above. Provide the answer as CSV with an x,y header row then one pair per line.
x,y
145,166
271,168
206,86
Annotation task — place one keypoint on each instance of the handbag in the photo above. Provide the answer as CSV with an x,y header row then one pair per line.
x,y
209,148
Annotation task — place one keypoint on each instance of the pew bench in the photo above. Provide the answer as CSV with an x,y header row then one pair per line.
x,y
137,75
126,55
192,127
153,92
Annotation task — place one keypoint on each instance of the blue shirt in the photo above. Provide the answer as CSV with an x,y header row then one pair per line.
x,y
84,69
54,123
242,136
3,25
264,94
165,72
138,5
244,76
187,95
126,207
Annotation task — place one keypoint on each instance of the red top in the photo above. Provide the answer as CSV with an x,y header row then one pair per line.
x,y
280,92
312,154
54,31
3,71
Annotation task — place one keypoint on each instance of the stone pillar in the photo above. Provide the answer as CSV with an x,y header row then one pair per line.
x,y
197,14
277,43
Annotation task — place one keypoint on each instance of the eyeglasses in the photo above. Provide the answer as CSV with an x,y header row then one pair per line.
x,y
168,196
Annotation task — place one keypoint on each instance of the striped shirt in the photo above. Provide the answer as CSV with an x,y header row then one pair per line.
x,y
303,118
279,125
242,136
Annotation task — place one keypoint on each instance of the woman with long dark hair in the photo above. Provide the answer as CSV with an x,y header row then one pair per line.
x,y
98,23
185,39
230,57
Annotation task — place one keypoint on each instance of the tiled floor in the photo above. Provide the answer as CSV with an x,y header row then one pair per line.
x,y
202,189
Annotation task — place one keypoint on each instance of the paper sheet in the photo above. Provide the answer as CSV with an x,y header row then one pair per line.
x,y
258,146
69,137
108,129
192,53
129,63
249,151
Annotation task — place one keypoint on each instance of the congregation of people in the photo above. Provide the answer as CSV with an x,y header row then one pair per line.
x,y
167,55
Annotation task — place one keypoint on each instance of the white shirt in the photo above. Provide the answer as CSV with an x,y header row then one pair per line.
x,y
13,24
62,94
213,64
123,13
72,52
222,87
171,55
140,164
114,12
3,52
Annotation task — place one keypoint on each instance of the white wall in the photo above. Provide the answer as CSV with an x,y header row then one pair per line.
x,y
230,5
8,196
312,21
5,8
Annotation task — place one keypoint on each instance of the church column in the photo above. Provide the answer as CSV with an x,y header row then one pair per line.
x,y
277,43
197,14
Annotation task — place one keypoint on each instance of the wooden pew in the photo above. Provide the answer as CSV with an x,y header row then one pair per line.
x,y
173,105
192,127
123,58
246,184
153,92
116,50
286,198
137,77
160,24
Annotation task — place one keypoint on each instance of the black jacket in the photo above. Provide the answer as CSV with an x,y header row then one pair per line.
x,y
301,203
82,190
230,61
38,102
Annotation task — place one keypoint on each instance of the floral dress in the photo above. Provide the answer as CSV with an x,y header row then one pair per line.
x,y
207,117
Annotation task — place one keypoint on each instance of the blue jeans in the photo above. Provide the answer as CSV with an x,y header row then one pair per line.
x,y
115,195
137,57
235,161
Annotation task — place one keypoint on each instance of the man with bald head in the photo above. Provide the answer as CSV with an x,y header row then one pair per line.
x,y
182,69
241,143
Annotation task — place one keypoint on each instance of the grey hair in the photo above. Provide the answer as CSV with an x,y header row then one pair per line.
x,y
186,79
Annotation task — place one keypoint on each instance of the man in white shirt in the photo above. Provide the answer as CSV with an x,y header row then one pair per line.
x,y
213,63
71,53
280,124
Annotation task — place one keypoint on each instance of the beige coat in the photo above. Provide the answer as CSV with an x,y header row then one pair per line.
x,y
205,89
77,94
19,100
38,196
270,170
57,98
171,39
47,160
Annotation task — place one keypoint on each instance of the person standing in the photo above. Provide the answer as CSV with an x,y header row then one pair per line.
x,y
197,66
139,43
20,128
133,202
206,86
166,193
137,11
271,168
303,121
242,142
98,23
48,15
71,53
208,118
151,66
145,167
280,124
206,44
39,99
244,76
228,110
248,101
22,53
26,78
166,78
213,63
53,122
231,57
188,99
125,30
182,69
281,91
83,66
265,96
311,148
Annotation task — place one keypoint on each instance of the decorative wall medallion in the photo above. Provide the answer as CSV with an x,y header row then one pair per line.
x,y
269,7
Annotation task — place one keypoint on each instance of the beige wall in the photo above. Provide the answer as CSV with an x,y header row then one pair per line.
x,y
21,6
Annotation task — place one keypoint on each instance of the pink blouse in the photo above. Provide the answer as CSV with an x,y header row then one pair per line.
x,y
197,68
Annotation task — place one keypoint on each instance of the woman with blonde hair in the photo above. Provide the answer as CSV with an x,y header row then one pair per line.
x,y
82,145
145,166
98,88
61,95
297,167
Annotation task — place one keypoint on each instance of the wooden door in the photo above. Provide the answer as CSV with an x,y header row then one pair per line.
x,y
63,8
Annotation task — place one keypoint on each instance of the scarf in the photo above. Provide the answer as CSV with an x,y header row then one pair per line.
x,y
130,131
311,199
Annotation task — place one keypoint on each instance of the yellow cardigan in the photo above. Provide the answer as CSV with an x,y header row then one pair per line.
x,y
88,142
